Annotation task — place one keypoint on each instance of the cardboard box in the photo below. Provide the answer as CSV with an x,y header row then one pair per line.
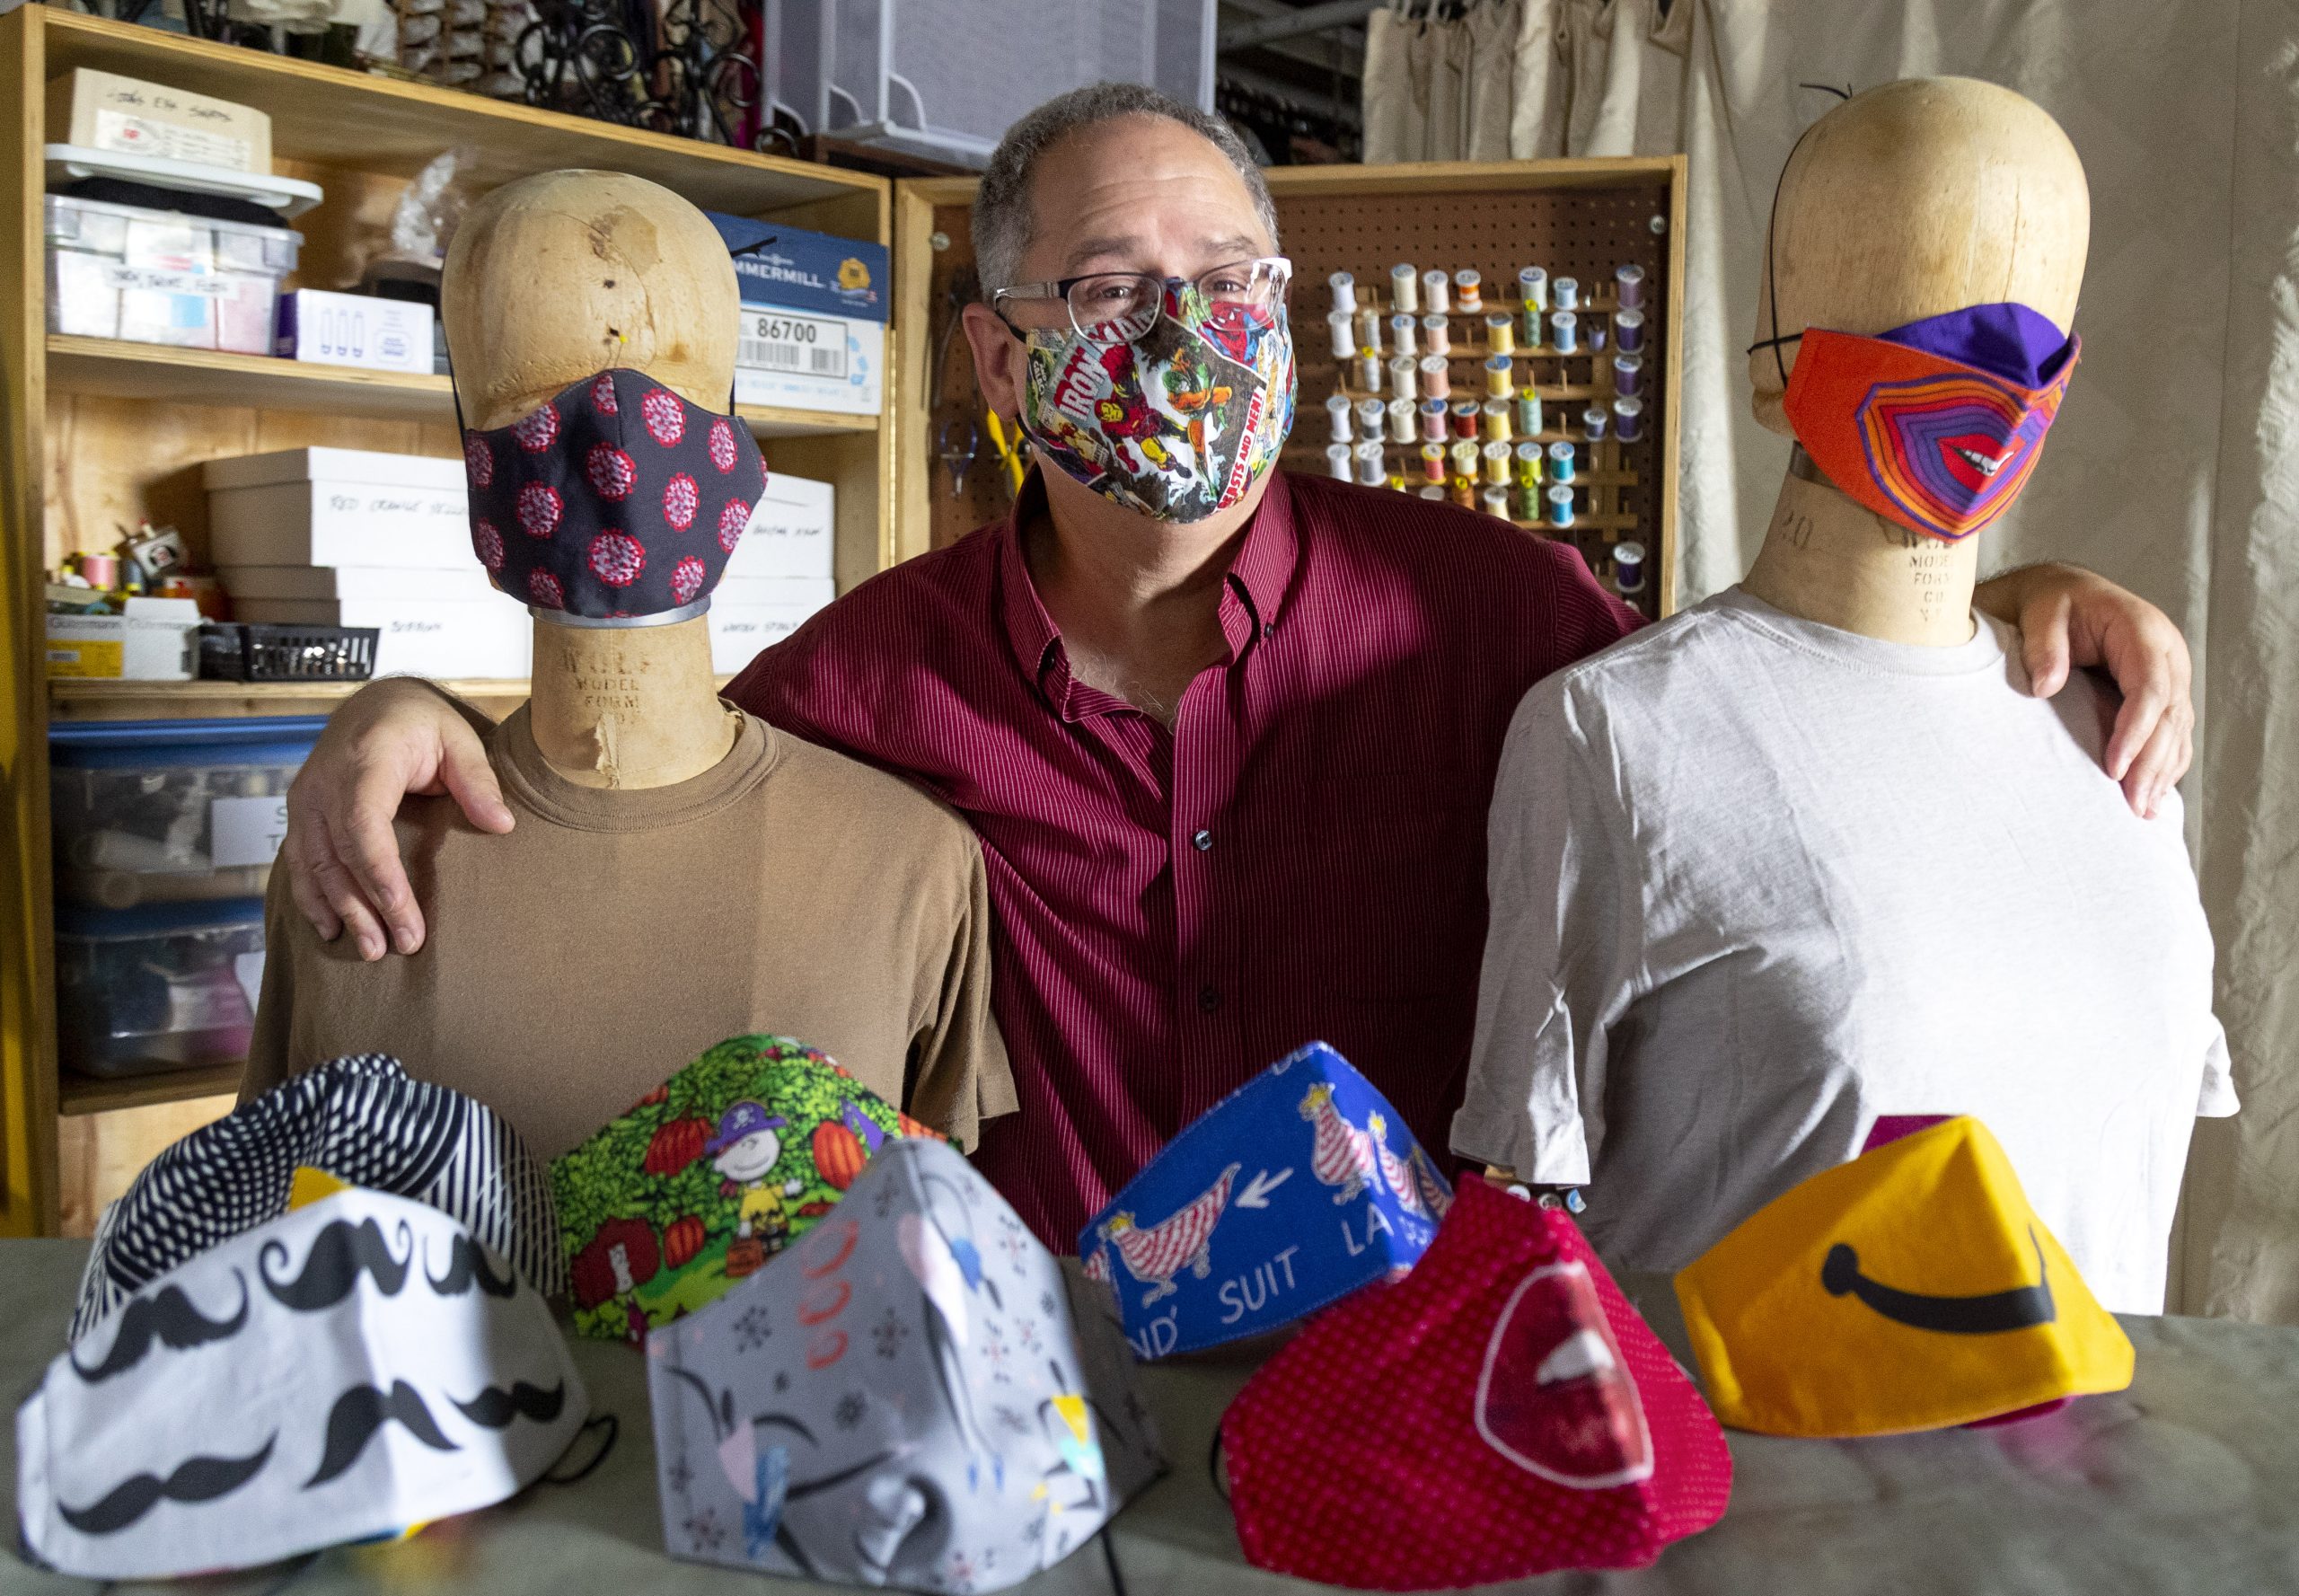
x,y
102,111
750,615
339,507
790,533
319,328
488,637
153,640
813,317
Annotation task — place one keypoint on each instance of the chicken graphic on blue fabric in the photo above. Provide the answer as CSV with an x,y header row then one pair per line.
x,y
1154,1254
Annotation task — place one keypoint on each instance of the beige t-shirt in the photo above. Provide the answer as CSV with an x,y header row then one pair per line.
x,y
613,935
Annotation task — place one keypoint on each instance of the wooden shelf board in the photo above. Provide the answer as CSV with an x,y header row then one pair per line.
x,y
260,382
87,1094
72,698
333,116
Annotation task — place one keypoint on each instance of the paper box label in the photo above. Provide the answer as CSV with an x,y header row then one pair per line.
x,y
245,831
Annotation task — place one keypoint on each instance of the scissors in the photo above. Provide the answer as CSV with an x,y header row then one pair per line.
x,y
958,444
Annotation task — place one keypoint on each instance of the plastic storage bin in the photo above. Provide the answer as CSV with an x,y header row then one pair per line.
x,y
926,76
156,276
168,811
169,986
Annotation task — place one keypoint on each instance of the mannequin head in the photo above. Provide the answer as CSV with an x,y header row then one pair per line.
x,y
1919,198
564,274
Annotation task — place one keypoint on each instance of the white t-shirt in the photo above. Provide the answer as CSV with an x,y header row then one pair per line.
x,y
1755,881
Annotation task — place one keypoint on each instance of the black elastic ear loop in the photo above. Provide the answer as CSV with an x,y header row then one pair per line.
x,y
748,249
1213,1465
1109,1560
1771,221
613,1427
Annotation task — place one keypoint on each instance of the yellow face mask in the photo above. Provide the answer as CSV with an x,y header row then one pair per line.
x,y
1911,1289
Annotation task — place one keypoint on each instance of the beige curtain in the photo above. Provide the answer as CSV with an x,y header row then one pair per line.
x,y
1441,88
2174,467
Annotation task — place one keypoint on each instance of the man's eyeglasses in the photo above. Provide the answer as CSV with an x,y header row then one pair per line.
x,y
1110,307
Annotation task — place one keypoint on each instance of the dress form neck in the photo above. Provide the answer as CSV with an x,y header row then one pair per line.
x,y
1829,559
628,707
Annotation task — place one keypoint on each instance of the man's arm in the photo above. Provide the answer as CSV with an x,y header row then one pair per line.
x,y
2068,617
391,738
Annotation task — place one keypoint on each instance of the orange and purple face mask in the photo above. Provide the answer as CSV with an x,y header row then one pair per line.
x,y
1935,425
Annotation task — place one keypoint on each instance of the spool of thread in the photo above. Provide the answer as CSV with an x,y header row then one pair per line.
x,y
1628,370
1628,332
1560,505
1630,280
1462,491
1370,413
1344,336
1337,412
1500,333
1597,337
1529,501
1628,568
1532,288
1564,332
1436,335
1496,420
1432,462
1337,463
1496,502
1496,465
1345,292
1592,422
1369,330
1404,426
1464,457
1435,493
1532,319
1565,294
1469,291
1528,413
1559,463
1368,370
1401,334
1436,376
1405,377
1499,381
1433,422
1464,418
1628,420
1371,471
1405,288
1436,293
1528,457
101,570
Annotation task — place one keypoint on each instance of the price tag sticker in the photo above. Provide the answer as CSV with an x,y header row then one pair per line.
x,y
787,341
245,831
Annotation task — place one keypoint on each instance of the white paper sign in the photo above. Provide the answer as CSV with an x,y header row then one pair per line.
x,y
248,968
246,830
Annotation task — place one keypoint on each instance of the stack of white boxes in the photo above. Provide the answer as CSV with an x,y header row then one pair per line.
x,y
350,537
778,575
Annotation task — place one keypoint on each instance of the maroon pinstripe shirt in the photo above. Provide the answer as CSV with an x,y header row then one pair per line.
x,y
1300,858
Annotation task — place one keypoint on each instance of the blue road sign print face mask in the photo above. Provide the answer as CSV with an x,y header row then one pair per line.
x,y
1296,1189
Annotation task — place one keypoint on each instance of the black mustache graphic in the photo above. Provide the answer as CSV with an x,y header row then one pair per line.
x,y
495,1407
467,1265
168,1317
2020,1309
362,1410
333,1268
195,1479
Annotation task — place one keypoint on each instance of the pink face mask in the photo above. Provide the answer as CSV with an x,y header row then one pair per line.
x,y
1501,1412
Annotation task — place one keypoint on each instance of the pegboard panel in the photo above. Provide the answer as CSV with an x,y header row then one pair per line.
x,y
1579,219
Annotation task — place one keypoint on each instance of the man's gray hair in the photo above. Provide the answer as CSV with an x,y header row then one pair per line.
x,y
1003,211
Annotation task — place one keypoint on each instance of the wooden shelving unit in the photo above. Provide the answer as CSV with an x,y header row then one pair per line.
x,y
96,434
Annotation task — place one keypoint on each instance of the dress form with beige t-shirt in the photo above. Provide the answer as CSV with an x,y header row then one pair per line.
x,y
549,280
1911,201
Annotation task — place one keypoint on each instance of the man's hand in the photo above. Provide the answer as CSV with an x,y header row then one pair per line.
x,y
2069,618
389,739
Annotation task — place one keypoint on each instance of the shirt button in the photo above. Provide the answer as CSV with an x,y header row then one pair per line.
x,y
1202,840
1208,999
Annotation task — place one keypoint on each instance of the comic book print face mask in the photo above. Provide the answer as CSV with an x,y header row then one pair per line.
x,y
909,1397
344,1371
1179,420
708,1176
1935,425
614,503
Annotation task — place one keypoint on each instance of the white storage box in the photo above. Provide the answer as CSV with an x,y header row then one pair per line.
x,y
488,637
749,615
154,640
934,76
789,533
157,276
339,507
323,329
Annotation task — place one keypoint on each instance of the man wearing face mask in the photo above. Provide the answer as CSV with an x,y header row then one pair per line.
x,y
1226,735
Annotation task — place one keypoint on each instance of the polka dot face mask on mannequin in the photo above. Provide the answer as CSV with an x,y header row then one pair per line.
x,y
615,502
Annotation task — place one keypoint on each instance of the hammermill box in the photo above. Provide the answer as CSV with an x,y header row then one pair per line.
x,y
102,111
813,328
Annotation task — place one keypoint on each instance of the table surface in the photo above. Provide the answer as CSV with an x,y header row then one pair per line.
x,y
2188,1481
